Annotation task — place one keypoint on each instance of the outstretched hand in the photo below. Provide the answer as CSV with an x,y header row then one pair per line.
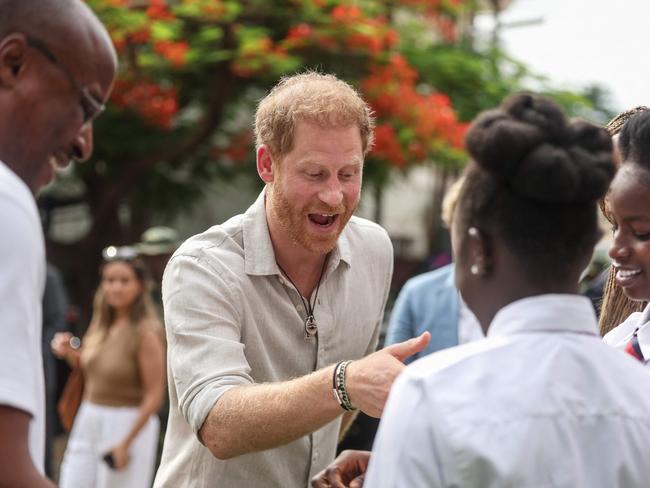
x,y
347,470
368,380
406,349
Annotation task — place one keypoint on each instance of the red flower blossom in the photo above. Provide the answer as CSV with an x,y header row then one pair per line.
x,y
158,10
427,119
387,146
346,14
298,34
140,36
174,52
157,105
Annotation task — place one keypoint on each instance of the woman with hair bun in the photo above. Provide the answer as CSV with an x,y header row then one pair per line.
x,y
541,401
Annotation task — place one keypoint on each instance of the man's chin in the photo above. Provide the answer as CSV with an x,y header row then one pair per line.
x,y
44,178
322,243
318,244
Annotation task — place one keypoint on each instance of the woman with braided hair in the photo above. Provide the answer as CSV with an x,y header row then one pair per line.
x,y
616,306
541,401
627,207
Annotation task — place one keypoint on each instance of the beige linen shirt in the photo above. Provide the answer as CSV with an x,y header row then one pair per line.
x,y
232,319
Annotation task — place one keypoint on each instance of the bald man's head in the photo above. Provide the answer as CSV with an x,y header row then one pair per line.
x,y
57,66
44,18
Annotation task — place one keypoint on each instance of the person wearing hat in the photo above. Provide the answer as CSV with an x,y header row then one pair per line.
x,y
156,246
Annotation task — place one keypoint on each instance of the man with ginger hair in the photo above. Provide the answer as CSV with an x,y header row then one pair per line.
x,y
57,66
271,311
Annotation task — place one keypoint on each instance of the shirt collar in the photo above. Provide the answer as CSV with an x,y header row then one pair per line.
x,y
546,313
644,318
259,257
342,250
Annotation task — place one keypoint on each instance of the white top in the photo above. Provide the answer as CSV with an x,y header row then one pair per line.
x,y
469,328
619,336
541,402
22,281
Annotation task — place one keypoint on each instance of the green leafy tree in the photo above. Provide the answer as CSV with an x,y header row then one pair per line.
x,y
191,72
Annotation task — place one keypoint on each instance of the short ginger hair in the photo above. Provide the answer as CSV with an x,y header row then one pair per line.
x,y
313,97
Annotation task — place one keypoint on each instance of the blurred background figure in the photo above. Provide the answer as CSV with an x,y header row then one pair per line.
x,y
431,302
155,248
115,434
55,309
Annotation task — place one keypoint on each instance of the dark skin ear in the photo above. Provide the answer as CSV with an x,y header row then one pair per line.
x,y
13,50
477,273
16,466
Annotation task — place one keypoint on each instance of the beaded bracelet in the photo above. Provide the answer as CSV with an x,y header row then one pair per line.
x,y
338,386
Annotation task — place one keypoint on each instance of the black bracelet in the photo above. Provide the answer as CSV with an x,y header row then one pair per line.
x,y
338,386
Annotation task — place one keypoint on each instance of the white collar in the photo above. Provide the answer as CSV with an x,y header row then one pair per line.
x,y
546,313
638,322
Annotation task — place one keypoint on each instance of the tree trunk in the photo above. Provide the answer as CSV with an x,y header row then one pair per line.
x,y
434,220
378,193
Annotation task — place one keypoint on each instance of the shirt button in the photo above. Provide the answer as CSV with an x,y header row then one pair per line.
x,y
300,308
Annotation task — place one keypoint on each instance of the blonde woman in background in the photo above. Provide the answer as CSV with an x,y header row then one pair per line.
x,y
115,433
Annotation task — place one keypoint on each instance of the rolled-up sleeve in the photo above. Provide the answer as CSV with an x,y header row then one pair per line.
x,y
205,352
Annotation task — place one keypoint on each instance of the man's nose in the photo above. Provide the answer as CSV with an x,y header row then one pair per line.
x,y
332,194
82,146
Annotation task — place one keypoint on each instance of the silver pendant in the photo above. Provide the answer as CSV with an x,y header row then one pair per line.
x,y
311,327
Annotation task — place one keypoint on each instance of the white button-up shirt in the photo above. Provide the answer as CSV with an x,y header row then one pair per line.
x,y
469,328
541,402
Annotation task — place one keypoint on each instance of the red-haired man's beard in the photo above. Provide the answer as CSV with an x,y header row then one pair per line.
x,y
307,225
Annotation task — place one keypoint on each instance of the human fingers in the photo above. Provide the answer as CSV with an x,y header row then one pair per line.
x,y
330,477
358,481
120,458
403,350
59,346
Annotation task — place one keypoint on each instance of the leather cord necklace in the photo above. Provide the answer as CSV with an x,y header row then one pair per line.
x,y
311,327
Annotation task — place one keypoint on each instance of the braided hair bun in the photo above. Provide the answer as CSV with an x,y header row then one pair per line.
x,y
529,146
